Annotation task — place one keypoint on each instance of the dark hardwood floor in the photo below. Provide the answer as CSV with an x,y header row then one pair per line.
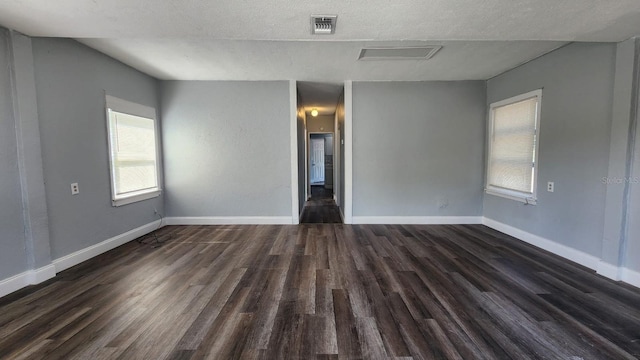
x,y
324,291
320,208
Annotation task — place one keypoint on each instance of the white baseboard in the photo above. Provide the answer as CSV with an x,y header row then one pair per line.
x,y
41,274
417,220
608,270
605,269
31,277
619,273
16,282
44,273
47,272
572,254
79,256
230,220
630,277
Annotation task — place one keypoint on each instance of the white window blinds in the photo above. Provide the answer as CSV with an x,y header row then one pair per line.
x,y
134,155
513,137
133,151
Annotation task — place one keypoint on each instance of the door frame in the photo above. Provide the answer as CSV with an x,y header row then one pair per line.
x,y
347,192
348,152
307,148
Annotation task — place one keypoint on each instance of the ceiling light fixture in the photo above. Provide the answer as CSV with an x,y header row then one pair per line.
x,y
314,112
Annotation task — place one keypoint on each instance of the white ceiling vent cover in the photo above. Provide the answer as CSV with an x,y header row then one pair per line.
x,y
323,24
399,53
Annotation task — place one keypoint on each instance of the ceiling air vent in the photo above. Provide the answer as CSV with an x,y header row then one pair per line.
x,y
323,24
399,53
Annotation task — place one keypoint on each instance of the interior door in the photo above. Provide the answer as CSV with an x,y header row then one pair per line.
x,y
316,161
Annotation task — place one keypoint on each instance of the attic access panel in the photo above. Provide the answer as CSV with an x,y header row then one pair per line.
x,y
399,53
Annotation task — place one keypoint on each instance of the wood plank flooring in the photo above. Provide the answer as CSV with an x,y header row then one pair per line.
x,y
321,208
324,291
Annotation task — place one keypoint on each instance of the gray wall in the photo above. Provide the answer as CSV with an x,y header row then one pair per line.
x,y
574,144
616,239
328,144
302,186
320,123
339,190
418,148
614,212
227,148
330,163
632,254
71,80
12,238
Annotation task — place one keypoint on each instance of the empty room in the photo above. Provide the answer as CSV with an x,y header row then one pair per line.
x,y
330,180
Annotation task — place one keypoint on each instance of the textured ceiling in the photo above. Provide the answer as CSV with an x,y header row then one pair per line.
x,y
271,40
316,65
204,59
320,96
566,20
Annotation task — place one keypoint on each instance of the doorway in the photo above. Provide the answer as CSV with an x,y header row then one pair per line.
x,y
317,161
320,161
320,130
320,206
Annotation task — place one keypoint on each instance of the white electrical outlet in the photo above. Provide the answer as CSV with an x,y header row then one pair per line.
x,y
550,186
75,190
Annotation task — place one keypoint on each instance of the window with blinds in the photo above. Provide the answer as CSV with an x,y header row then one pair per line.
x,y
133,151
513,147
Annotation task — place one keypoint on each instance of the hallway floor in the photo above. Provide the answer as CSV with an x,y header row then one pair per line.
x,y
321,208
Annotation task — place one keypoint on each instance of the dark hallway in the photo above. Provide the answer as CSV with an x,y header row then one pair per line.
x,y
321,208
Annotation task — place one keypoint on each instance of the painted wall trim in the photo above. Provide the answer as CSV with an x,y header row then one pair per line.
x,y
31,277
29,151
41,274
229,220
293,134
87,253
574,255
417,220
618,273
608,270
605,269
348,152
49,271
336,155
630,277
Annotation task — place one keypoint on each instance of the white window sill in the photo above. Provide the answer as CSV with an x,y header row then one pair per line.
x,y
529,200
136,197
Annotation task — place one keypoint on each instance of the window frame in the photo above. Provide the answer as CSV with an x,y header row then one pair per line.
x,y
118,105
527,198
